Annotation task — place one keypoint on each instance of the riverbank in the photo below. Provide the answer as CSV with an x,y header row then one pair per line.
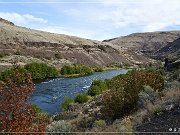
x,y
81,75
49,95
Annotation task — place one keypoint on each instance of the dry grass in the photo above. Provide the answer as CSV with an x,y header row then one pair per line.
x,y
153,108
126,125
172,95
139,116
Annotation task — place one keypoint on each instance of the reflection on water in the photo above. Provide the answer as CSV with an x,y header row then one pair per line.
x,y
48,95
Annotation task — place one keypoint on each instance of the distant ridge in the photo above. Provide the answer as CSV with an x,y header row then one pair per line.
x,y
6,21
153,44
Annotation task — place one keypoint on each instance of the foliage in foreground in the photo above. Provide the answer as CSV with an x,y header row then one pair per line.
x,y
123,96
17,114
10,73
60,126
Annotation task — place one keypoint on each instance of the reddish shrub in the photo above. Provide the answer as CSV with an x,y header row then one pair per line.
x,y
16,113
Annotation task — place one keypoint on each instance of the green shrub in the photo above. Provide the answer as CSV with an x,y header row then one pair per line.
x,y
98,69
94,90
67,101
36,108
123,96
60,126
97,87
82,98
108,83
41,70
52,72
76,69
155,69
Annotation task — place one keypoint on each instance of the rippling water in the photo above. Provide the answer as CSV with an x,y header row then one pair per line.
x,y
48,95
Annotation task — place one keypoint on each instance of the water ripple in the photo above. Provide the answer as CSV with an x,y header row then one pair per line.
x,y
50,94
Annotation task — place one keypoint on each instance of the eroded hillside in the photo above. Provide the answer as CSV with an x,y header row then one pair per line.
x,y
43,45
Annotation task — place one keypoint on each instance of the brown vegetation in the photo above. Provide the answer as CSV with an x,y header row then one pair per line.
x,y
16,112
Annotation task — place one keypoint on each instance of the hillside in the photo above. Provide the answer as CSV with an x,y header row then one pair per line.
x,y
156,44
58,47
171,50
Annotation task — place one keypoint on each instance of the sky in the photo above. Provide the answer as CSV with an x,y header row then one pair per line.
x,y
93,19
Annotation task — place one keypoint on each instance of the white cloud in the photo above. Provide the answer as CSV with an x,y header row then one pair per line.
x,y
149,15
21,19
146,15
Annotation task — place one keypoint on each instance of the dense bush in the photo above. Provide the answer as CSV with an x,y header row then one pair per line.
x,y
123,96
158,69
37,71
11,73
82,98
76,69
98,86
41,70
67,101
98,69
108,83
17,114
153,79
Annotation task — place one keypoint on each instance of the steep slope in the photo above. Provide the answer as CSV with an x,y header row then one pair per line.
x,y
149,43
171,50
39,44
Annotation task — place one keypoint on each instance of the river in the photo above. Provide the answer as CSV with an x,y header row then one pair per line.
x,y
49,94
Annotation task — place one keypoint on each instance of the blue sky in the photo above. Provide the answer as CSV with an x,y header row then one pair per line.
x,y
93,19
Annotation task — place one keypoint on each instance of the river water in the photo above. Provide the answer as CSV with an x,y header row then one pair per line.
x,y
49,94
